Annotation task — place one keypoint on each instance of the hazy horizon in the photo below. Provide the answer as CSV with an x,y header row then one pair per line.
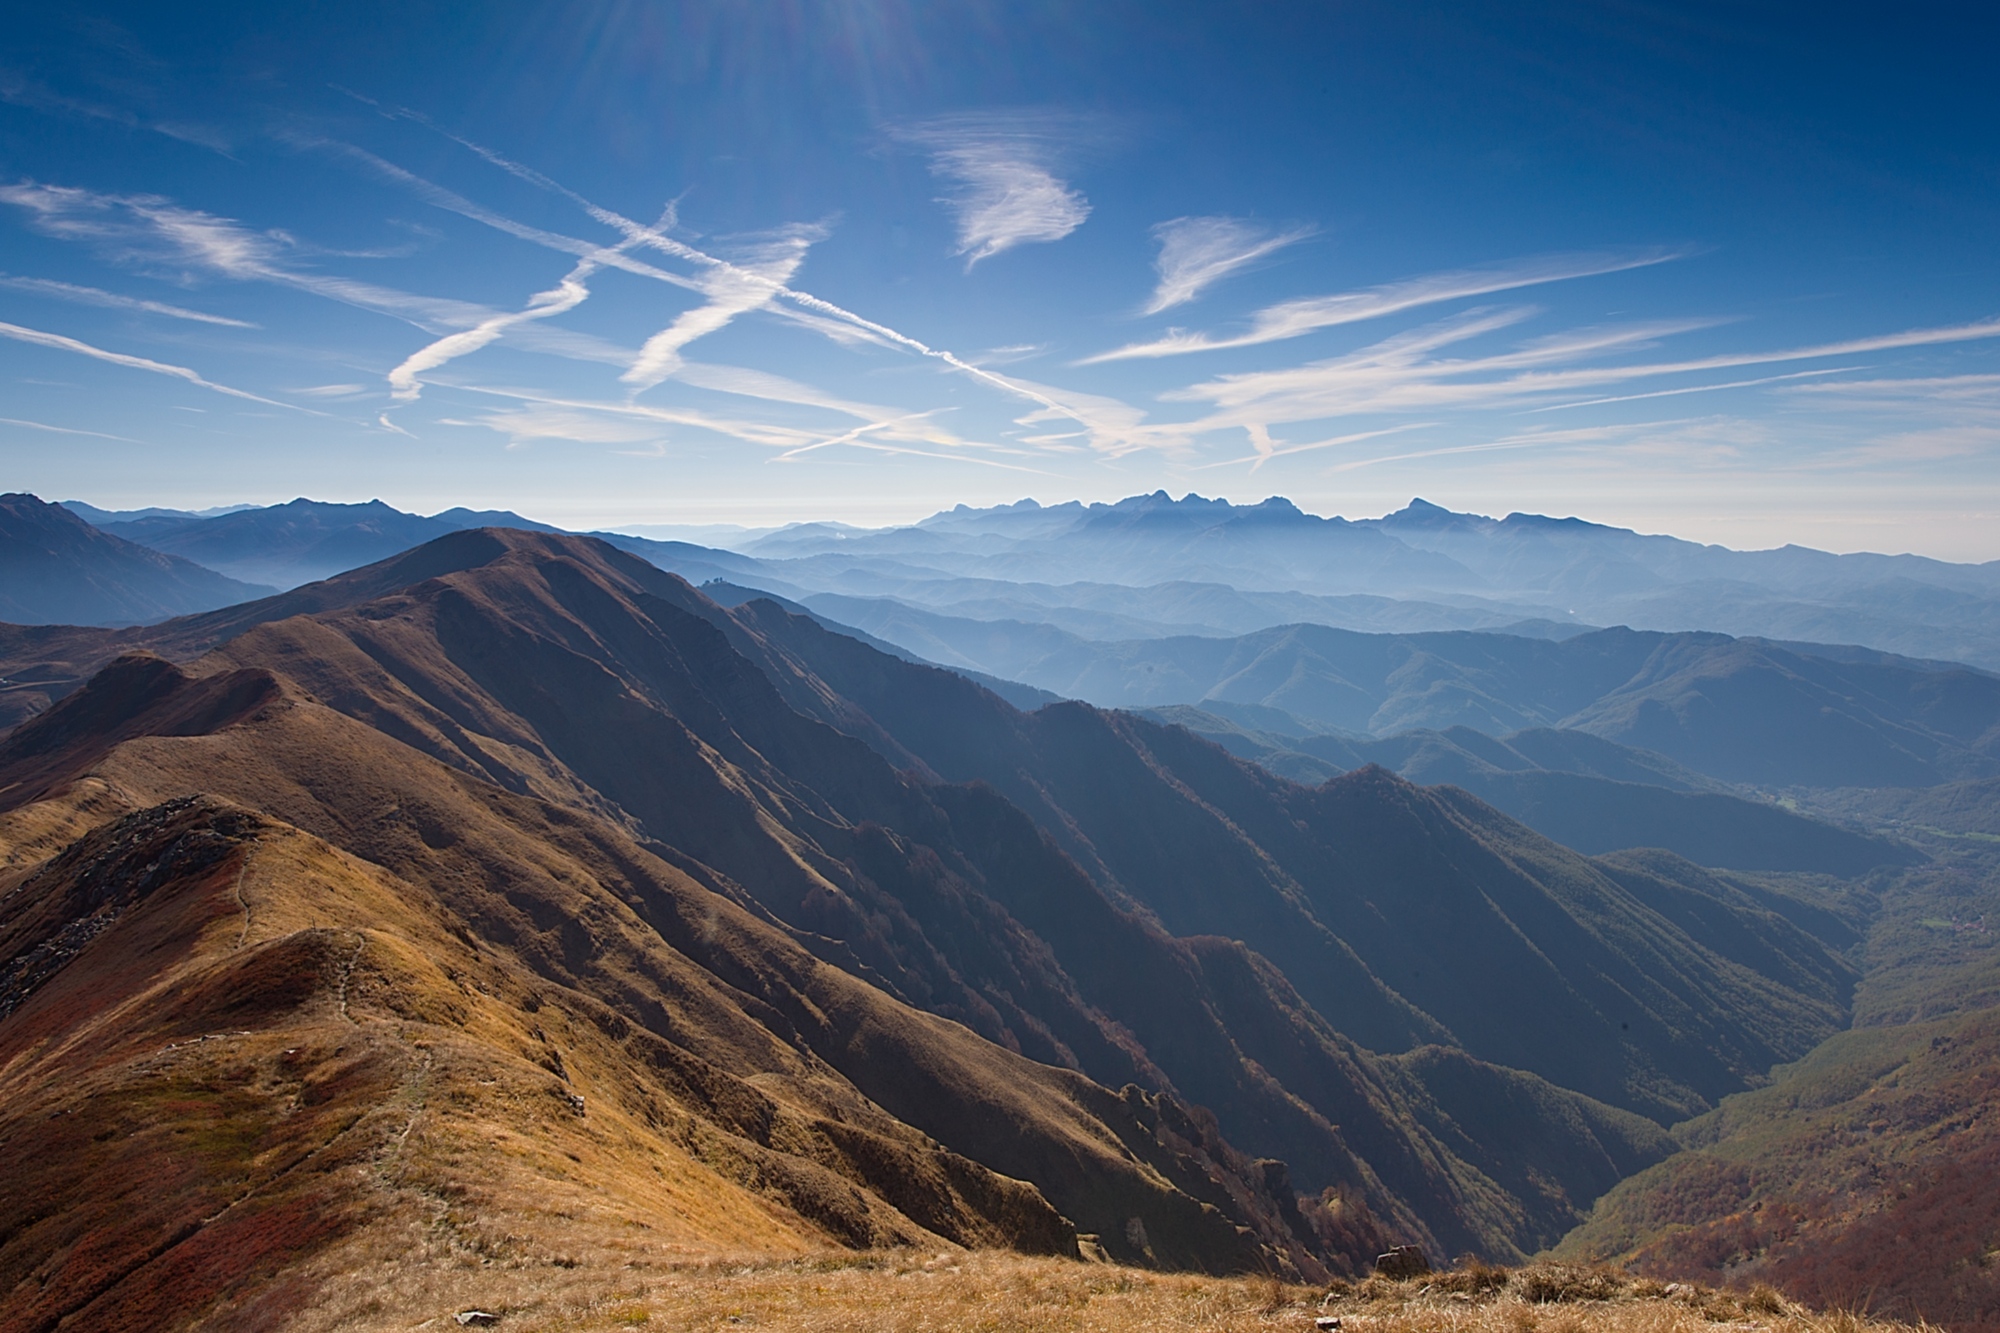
x,y
893,515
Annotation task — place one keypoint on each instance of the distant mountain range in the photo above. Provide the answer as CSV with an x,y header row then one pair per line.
x,y
1742,711
1738,710
1450,571
300,542
56,568
1154,567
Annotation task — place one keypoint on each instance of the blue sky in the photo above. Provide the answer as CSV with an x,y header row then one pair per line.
x,y
1722,271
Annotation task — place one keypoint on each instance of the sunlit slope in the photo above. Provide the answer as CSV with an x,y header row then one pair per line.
x,y
540,939
263,1046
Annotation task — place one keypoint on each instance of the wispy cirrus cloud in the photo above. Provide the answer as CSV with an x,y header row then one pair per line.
x,y
1929,395
1264,449
152,232
730,288
1293,319
1197,253
1928,418
835,321
76,295
1681,442
529,425
61,343
1402,374
1004,167
405,384
763,384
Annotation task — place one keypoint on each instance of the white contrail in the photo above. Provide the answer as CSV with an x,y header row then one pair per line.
x,y
69,291
657,239
566,295
58,341
67,430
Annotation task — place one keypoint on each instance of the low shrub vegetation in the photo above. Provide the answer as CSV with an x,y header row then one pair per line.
x,y
912,1291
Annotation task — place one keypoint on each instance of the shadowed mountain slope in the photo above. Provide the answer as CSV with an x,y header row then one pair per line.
x,y
54,567
923,912
1399,913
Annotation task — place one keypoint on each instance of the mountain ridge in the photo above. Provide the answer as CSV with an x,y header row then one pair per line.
x,y
937,894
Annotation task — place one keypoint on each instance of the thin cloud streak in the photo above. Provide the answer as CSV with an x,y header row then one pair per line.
x,y
911,428
66,430
1197,253
1695,388
1358,463
746,383
1397,374
1929,395
851,436
749,432
877,447
147,229
1266,450
68,291
57,341
566,295
1292,319
439,197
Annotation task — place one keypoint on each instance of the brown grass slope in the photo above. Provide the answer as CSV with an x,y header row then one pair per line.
x,y
521,939
910,1292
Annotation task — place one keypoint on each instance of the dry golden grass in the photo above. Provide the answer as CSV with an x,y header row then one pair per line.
x,y
994,1292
